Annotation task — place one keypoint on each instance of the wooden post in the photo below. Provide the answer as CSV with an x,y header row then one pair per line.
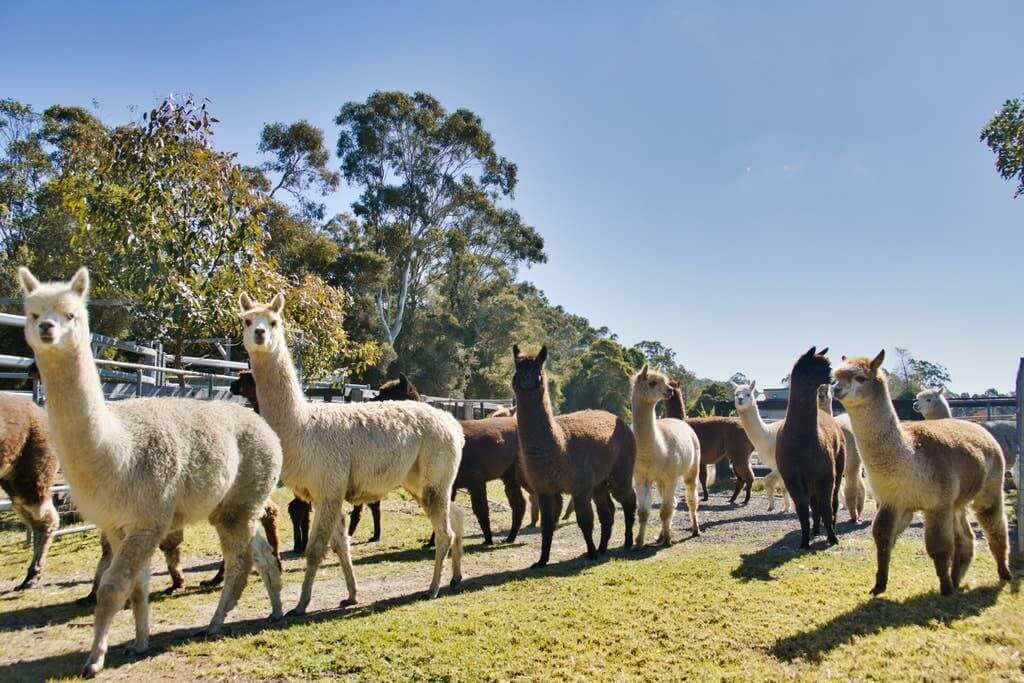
x,y
1020,456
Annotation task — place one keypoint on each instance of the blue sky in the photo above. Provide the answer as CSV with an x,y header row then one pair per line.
x,y
737,182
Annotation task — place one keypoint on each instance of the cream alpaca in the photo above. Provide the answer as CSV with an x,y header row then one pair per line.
x,y
141,469
357,452
666,450
932,404
938,467
763,437
854,489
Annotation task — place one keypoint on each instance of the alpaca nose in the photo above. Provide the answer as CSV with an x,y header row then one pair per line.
x,y
259,334
46,328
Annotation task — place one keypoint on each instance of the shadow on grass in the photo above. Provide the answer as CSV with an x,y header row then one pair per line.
x,y
68,664
879,614
759,565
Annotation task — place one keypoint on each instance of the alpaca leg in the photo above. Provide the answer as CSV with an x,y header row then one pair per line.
x,y
106,555
269,523
534,509
375,513
667,491
622,491
746,473
569,509
130,555
938,541
993,522
298,511
353,519
43,521
803,513
703,476
963,551
889,523
816,509
861,497
516,500
170,546
268,565
550,508
643,504
459,528
828,513
585,519
326,518
340,545
693,504
772,482
605,514
478,499
235,546
140,610
438,508
850,492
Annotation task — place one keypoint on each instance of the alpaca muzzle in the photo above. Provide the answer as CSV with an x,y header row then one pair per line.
x,y
45,329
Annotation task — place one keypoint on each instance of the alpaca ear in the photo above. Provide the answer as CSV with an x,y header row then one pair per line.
x,y
402,379
753,383
245,302
28,281
823,351
843,358
80,282
810,352
643,372
543,355
277,303
877,361
515,353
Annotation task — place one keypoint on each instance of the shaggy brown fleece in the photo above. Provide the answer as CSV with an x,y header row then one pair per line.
x,y
589,455
810,449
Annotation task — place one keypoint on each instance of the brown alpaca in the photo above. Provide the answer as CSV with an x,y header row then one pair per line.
x,y
939,467
589,455
27,471
507,411
810,450
720,437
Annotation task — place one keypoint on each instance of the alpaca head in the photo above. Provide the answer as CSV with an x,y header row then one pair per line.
x,y
263,326
860,380
400,389
529,375
650,386
55,314
825,398
745,397
811,370
244,386
931,403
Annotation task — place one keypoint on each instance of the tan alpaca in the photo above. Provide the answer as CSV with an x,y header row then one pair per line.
x,y
938,467
355,452
666,450
763,437
144,468
854,489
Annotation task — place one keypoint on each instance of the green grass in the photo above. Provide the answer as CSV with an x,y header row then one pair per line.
x,y
747,608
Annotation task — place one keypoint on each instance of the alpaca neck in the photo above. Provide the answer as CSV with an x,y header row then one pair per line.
x,y
82,427
940,410
756,428
280,398
880,441
645,427
539,433
803,406
674,407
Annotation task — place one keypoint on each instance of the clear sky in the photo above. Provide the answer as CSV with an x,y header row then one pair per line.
x,y
735,181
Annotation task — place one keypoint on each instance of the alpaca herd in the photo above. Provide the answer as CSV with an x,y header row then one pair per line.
x,y
144,469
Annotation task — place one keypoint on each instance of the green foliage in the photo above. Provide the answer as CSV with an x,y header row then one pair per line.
x,y
909,375
704,404
664,358
1004,135
299,159
601,380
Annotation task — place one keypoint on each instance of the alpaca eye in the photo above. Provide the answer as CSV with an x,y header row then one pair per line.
x,y
860,378
273,323
248,323
35,316
69,316
652,384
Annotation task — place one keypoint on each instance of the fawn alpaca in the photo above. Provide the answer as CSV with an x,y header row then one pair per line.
x,y
666,450
589,455
720,437
932,404
763,437
810,449
355,452
938,467
854,490
27,470
141,469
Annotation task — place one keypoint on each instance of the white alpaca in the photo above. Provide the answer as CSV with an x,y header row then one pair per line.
x,y
932,404
141,469
854,488
666,450
763,437
355,452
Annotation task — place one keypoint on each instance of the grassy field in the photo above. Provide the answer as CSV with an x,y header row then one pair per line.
x,y
739,602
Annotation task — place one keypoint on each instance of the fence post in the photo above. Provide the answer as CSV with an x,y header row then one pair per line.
x,y
209,387
138,383
1020,457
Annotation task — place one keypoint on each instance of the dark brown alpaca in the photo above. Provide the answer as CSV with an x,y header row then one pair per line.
x,y
720,437
810,449
589,455
27,471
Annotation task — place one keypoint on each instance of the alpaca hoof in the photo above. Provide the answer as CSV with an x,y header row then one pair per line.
x,y
374,538
509,539
456,580
90,670
174,588
878,589
205,583
1004,574
296,612
134,650
832,540
87,601
488,541
538,564
275,618
348,602
695,533
947,590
